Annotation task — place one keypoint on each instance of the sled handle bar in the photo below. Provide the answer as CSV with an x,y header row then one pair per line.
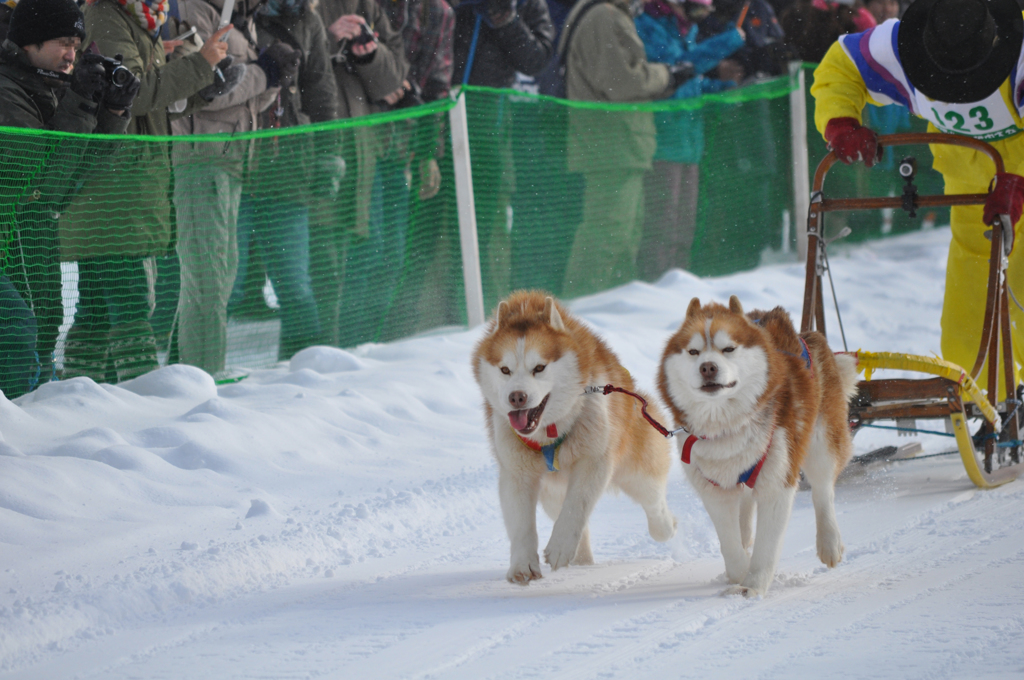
x,y
819,204
996,318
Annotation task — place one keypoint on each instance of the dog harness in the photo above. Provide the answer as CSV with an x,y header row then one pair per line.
x,y
549,451
748,477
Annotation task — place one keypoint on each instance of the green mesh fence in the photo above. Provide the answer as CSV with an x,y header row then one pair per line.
x,y
123,246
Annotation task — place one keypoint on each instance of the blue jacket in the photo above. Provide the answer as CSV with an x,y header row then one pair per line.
x,y
681,133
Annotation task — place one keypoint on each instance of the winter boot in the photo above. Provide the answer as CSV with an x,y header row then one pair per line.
x,y
132,349
85,354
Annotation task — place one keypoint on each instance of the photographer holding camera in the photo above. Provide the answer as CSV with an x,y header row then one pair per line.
x,y
121,217
368,60
41,88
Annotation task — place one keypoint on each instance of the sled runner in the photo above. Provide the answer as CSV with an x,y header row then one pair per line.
x,y
993,454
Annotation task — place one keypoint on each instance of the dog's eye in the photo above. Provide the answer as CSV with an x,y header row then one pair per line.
x,y
729,349
504,369
694,352
538,368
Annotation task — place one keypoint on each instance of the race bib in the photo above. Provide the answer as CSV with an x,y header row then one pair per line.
x,y
987,120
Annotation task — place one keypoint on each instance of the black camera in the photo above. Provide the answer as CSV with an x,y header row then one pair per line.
x,y
412,97
365,36
908,168
117,74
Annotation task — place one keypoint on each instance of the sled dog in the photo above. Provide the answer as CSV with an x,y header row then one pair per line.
x,y
759,403
553,443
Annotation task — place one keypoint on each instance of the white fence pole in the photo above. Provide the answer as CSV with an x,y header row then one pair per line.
x,y
467,213
801,166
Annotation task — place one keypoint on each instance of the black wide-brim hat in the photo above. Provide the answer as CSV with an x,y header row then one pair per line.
x,y
931,64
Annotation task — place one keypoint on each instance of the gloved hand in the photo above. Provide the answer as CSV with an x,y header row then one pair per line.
x,y
121,98
498,13
330,170
225,79
281,64
1006,197
852,141
89,79
680,72
430,179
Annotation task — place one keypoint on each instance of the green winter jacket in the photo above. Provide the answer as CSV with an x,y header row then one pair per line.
x,y
606,62
124,208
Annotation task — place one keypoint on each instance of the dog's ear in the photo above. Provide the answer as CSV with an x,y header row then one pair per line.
x,y
693,308
552,315
734,305
500,313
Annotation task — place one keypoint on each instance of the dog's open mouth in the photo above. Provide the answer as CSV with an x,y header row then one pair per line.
x,y
711,388
525,420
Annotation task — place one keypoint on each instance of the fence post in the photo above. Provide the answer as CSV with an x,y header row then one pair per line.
x,y
467,213
801,166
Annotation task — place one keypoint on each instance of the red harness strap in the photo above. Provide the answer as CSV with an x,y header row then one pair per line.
x,y
749,477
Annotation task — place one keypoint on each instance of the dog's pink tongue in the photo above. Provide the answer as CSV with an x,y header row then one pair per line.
x,y
519,419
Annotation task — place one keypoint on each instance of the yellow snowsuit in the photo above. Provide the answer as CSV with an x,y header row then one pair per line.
x,y
839,92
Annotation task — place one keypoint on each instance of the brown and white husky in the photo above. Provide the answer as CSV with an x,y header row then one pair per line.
x,y
759,404
553,443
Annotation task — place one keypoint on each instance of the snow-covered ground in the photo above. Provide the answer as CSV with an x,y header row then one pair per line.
x,y
338,518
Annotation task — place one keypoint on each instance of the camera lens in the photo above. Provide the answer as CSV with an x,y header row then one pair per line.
x,y
120,76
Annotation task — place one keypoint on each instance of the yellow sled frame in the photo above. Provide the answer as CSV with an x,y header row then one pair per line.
x,y
953,395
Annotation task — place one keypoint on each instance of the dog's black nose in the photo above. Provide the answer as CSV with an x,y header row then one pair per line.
x,y
709,370
518,399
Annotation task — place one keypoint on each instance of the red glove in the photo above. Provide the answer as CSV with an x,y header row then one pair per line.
x,y
852,141
1006,197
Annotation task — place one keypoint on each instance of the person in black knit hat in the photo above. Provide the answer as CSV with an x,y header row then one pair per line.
x,y
41,20
41,88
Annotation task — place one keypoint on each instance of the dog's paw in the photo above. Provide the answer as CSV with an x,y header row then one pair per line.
x,y
663,526
560,551
525,572
736,569
749,593
830,550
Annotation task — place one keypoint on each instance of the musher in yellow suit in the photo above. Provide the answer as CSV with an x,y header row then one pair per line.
x,y
959,64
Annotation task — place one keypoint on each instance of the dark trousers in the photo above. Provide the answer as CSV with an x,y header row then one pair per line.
x,y
111,291
19,364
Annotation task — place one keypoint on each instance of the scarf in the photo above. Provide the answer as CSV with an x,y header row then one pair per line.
x,y
151,14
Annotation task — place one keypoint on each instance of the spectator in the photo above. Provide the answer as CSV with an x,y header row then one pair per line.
x,y
426,27
883,10
41,89
812,27
111,337
208,186
670,35
275,213
507,36
511,36
19,366
370,79
545,212
408,174
766,53
6,7
605,62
